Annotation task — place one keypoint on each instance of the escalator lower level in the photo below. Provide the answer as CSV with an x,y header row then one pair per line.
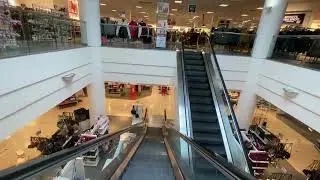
x,y
205,125
151,160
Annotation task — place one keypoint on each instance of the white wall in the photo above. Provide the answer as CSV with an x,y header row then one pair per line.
x,y
139,66
31,85
275,76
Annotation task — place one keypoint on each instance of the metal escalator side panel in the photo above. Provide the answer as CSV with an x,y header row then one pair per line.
x,y
237,153
185,125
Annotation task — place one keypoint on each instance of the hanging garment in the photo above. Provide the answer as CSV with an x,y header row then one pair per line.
x,y
123,30
133,26
143,29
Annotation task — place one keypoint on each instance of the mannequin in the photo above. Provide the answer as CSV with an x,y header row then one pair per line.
x,y
143,30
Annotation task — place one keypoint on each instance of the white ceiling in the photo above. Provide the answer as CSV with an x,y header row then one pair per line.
x,y
182,17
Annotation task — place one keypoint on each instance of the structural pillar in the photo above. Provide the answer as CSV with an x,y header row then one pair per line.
x,y
91,35
90,22
269,27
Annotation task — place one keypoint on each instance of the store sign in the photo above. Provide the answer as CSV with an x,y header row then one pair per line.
x,y
192,8
162,23
73,9
294,18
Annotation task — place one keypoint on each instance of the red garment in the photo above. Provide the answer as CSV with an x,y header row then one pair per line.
x,y
133,26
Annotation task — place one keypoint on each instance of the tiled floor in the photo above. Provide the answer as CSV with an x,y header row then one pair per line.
x,y
303,151
119,109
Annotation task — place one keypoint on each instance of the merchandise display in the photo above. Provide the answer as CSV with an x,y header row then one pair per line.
x,y
71,101
127,91
7,26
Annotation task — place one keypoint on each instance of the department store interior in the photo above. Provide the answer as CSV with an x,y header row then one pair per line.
x,y
280,144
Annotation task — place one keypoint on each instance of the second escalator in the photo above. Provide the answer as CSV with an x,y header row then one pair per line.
x,y
205,125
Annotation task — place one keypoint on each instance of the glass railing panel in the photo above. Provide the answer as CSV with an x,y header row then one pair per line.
x,y
92,158
27,31
232,43
139,37
192,164
302,50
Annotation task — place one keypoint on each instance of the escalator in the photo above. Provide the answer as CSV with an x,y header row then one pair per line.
x,y
136,152
205,125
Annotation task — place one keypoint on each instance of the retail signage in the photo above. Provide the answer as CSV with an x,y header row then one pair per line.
x,y
162,23
294,18
73,9
192,8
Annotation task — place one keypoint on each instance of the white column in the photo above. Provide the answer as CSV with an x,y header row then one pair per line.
x,y
96,90
269,27
247,101
90,15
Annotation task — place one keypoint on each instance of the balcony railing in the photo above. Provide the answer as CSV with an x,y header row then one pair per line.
x,y
28,31
302,50
232,43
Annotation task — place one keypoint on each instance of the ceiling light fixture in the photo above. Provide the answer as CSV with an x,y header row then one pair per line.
x,y
142,12
178,2
103,4
260,8
244,15
145,16
174,9
209,12
139,7
224,5
171,14
113,10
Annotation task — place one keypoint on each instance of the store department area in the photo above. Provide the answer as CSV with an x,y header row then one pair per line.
x,y
68,124
280,146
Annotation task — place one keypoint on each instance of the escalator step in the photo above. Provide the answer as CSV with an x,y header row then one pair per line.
x,y
204,108
196,73
208,138
200,92
205,127
194,57
195,85
195,67
194,62
197,79
203,117
201,100
191,52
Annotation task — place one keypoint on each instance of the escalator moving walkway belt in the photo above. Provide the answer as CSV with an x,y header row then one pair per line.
x,y
151,160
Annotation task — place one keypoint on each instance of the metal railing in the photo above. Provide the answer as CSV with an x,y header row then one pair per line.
x,y
231,43
27,31
301,50
212,164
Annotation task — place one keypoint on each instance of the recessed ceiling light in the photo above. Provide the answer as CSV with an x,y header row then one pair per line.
x,y
260,8
103,4
139,7
174,9
142,12
178,2
195,17
113,10
145,16
244,15
171,14
209,12
224,5
229,19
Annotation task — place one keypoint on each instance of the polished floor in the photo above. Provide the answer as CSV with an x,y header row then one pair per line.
x,y
303,151
117,109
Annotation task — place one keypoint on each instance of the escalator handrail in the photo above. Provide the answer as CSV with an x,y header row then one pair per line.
x,y
226,168
34,167
234,119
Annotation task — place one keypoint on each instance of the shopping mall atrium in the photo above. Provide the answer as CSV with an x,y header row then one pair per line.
x,y
160,89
